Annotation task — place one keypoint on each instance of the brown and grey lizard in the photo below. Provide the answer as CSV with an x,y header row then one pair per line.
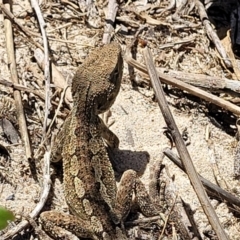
x,y
89,183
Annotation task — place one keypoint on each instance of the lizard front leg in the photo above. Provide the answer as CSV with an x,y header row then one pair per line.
x,y
110,137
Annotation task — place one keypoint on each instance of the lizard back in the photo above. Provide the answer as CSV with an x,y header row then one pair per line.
x,y
89,181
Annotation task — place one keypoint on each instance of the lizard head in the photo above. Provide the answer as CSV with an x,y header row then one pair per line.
x,y
98,79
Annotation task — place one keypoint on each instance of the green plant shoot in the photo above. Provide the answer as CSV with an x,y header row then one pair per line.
x,y
5,216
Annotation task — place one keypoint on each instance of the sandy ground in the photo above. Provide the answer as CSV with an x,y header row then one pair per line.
x,y
139,125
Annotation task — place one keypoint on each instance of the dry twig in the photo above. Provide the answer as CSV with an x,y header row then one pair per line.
x,y
41,234
170,7
16,93
237,152
182,150
42,25
204,81
141,220
25,30
46,170
212,34
57,77
166,220
13,19
186,87
110,19
21,88
43,199
212,189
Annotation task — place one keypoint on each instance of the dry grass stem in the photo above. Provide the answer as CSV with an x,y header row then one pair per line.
x,y
191,89
17,95
182,150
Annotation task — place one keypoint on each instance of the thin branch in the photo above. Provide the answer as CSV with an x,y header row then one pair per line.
x,y
212,34
187,87
182,150
21,88
211,83
110,19
46,170
167,218
24,89
16,93
57,77
25,30
41,203
18,23
212,189
42,25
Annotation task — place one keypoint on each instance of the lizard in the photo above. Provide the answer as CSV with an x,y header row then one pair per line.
x,y
98,208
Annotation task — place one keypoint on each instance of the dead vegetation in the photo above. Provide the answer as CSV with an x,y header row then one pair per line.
x,y
195,55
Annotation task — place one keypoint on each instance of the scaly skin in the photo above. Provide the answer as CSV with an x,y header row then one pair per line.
x,y
89,182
